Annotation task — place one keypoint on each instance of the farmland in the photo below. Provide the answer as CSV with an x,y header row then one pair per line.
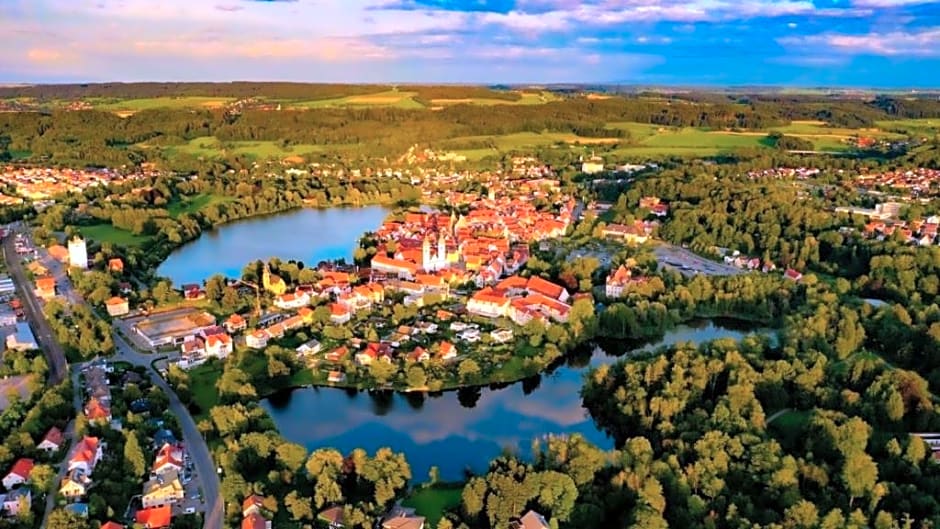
x,y
390,98
210,147
137,105
527,98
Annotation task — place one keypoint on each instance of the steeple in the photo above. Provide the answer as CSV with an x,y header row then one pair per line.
x,y
426,253
441,249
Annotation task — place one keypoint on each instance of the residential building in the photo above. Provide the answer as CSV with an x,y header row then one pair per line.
x,y
339,313
255,520
252,504
257,339
235,323
333,517
45,288
311,347
52,441
531,520
447,351
154,517
618,281
793,275
59,253
8,318
97,411
291,301
489,303
162,489
112,525
117,306
169,458
19,473
16,502
78,509
219,345
22,339
86,454
78,253
75,485
335,377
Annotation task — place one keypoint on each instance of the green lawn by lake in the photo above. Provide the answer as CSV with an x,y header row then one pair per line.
x,y
202,381
195,203
113,235
432,501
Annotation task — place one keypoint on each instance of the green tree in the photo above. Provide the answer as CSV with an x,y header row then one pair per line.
x,y
133,455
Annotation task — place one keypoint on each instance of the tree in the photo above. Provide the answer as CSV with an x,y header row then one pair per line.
x,y
299,507
468,370
416,377
133,455
62,519
42,477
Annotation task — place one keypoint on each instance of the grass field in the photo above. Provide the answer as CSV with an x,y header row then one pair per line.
x,y
202,381
108,233
432,501
389,98
211,147
161,102
525,140
195,203
927,127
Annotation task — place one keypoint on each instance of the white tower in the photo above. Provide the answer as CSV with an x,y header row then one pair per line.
x,y
426,254
441,251
78,253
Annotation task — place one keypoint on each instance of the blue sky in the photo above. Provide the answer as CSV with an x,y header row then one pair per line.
x,y
877,43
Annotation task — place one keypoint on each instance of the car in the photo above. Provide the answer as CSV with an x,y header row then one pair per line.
x,y
189,510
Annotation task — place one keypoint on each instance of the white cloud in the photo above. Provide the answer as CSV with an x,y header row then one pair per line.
x,y
925,42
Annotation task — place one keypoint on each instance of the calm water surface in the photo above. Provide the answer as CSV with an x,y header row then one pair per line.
x,y
308,235
461,429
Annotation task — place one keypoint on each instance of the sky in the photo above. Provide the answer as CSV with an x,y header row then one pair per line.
x,y
852,43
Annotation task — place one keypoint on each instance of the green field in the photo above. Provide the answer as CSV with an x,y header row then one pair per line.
x,y
211,147
432,501
195,203
202,381
389,98
160,102
927,127
108,233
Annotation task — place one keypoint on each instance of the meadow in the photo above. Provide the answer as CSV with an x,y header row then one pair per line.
x,y
195,203
389,98
108,233
210,147
137,105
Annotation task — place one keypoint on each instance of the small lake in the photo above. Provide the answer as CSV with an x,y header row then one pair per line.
x,y
463,429
308,235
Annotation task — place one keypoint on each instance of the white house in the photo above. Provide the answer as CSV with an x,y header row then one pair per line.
x,y
19,473
52,441
292,301
219,345
15,501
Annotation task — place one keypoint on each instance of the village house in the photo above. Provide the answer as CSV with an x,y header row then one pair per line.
x,y
336,377
112,525
402,518
502,335
75,485
488,303
291,301
45,288
117,306
531,520
793,275
446,351
337,355
619,281
235,323
116,265
169,458
219,345
162,489
154,517
19,473
637,233
257,339
16,502
59,253
339,313
86,455
52,441
310,347
97,411
333,517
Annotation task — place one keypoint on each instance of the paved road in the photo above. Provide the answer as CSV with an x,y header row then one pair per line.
x,y
58,367
196,445
69,436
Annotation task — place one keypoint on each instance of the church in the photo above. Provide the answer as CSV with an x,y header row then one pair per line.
x,y
434,262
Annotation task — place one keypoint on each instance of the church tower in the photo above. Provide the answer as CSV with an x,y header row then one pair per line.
x,y
426,254
441,250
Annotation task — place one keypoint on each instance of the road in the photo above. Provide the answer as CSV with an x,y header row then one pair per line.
x,y
196,445
69,438
58,367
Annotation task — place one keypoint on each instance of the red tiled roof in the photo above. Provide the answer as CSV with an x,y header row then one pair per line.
x,y
22,467
254,521
112,525
154,517
54,436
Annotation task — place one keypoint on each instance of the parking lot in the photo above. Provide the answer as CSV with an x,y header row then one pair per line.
x,y
689,264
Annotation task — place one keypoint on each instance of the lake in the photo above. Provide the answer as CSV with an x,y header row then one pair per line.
x,y
463,429
308,235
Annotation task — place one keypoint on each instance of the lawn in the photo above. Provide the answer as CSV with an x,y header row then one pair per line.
x,y
195,203
202,381
698,138
638,131
211,147
116,236
390,98
431,501
161,102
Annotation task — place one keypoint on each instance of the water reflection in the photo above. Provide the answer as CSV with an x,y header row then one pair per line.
x,y
326,234
465,428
